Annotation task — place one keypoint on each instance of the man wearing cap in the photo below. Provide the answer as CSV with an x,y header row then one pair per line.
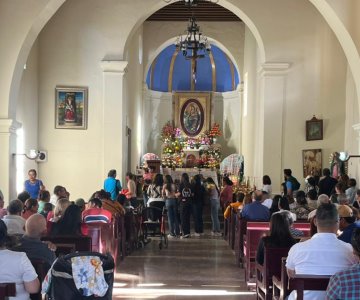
x,y
347,223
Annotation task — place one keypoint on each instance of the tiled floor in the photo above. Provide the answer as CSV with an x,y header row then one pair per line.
x,y
195,268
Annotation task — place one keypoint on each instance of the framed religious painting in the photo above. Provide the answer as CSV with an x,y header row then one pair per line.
x,y
71,107
312,162
314,129
192,112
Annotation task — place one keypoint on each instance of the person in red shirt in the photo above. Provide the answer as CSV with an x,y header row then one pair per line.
x,y
96,214
226,195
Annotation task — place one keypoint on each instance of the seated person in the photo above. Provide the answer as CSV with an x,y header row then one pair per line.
x,y
255,211
3,211
235,206
96,214
284,206
323,254
347,223
279,236
322,199
312,199
267,201
23,196
69,224
60,207
48,207
16,267
345,284
59,192
301,209
30,243
289,216
31,207
44,197
14,222
81,203
113,206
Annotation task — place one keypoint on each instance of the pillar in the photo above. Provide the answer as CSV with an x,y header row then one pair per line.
x,y
8,129
114,116
272,121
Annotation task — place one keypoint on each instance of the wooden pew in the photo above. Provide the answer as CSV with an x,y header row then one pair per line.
x,y
120,237
240,229
69,244
283,287
265,273
41,268
304,226
7,290
101,237
254,232
231,228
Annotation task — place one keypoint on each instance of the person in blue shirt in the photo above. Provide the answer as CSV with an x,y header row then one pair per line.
x,y
347,223
33,186
255,211
112,185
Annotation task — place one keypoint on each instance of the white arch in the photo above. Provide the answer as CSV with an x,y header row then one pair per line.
x,y
226,4
172,40
46,14
345,40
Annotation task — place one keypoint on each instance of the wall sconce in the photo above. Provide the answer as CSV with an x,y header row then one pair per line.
x,y
38,155
344,156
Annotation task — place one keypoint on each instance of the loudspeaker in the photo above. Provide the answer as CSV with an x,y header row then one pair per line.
x,y
43,156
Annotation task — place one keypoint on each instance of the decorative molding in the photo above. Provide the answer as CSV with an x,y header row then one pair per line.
x,y
171,70
9,125
114,66
274,69
213,71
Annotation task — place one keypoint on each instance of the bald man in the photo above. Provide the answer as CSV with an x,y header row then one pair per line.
x,y
30,243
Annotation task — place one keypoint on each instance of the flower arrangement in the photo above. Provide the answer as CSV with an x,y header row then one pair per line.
x,y
214,131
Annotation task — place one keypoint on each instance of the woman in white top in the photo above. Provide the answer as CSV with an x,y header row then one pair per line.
x,y
267,184
131,193
16,267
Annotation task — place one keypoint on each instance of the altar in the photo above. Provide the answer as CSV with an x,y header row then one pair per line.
x,y
176,174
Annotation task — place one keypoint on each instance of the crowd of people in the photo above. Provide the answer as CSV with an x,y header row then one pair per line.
x,y
330,205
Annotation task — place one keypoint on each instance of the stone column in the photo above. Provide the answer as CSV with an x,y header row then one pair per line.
x,y
114,115
354,165
8,129
272,121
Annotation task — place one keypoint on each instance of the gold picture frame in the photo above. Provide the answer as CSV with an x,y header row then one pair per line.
x,y
192,112
312,162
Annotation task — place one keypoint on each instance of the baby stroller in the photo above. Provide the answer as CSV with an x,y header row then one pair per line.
x,y
61,285
153,222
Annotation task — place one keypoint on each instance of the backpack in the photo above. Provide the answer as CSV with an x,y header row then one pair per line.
x,y
186,194
294,183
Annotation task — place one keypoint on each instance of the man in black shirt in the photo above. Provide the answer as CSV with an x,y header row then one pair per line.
x,y
327,183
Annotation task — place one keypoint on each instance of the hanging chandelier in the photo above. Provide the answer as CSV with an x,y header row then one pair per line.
x,y
193,44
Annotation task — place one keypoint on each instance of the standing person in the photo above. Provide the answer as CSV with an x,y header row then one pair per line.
x,y
168,193
326,183
155,190
112,185
291,183
198,203
226,195
131,186
33,186
350,192
266,184
185,194
214,195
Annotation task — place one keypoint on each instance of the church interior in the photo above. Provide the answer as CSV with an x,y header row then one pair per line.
x,y
87,86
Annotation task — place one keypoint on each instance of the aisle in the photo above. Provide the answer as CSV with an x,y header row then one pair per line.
x,y
195,268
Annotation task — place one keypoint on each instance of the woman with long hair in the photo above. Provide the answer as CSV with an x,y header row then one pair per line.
x,y
31,207
226,194
279,236
185,194
168,193
275,204
214,196
266,184
69,224
199,194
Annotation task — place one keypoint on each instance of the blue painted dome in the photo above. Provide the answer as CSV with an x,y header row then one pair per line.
x,y
170,71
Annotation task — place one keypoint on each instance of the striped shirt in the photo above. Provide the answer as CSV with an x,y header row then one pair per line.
x,y
96,215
